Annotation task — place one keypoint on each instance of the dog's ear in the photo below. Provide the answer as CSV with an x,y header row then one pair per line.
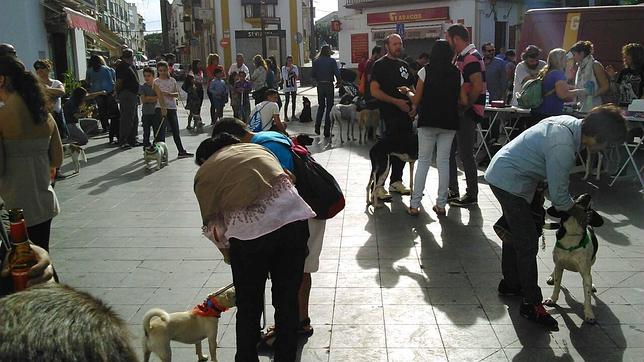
x,y
594,219
552,211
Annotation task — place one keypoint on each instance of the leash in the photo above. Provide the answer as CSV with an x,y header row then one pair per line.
x,y
159,129
223,290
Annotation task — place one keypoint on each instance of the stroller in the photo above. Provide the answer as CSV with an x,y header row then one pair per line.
x,y
347,84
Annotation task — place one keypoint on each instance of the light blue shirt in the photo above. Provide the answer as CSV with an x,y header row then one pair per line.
x,y
546,150
279,145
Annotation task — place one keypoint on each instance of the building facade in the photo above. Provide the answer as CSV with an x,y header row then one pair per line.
x,y
366,23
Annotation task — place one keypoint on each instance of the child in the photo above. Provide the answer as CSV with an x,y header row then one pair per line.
x,y
219,92
234,97
73,112
148,100
243,88
167,94
193,103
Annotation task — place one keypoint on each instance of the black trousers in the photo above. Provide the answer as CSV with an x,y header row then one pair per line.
x,y
519,255
39,234
281,253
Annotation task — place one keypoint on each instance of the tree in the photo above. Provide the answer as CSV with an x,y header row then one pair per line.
x,y
325,35
154,45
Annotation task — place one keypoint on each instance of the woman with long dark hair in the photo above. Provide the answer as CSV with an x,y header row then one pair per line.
x,y
102,78
31,149
437,97
630,80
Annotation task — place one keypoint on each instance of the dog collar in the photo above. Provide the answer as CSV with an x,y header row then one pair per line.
x,y
209,308
582,244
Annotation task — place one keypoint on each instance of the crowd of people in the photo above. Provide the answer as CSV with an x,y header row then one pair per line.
x,y
245,185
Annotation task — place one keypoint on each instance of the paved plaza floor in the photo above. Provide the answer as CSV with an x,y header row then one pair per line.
x,y
390,287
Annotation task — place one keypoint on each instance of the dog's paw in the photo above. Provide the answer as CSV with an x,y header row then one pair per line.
x,y
549,302
550,281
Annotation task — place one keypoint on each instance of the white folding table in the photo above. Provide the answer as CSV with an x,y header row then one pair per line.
x,y
513,115
630,152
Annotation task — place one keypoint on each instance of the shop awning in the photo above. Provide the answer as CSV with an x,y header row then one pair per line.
x,y
78,20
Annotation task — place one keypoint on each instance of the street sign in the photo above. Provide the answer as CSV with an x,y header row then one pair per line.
x,y
400,29
224,42
336,26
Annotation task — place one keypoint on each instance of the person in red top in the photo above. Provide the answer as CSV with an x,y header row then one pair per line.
x,y
213,64
470,62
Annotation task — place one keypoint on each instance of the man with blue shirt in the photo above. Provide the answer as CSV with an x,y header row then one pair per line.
x,y
324,69
545,151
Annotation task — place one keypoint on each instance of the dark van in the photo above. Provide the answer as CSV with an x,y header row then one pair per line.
x,y
607,27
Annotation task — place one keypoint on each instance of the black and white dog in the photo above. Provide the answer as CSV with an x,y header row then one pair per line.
x,y
157,153
406,149
576,250
305,116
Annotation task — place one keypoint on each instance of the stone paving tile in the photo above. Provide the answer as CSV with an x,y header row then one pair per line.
x,y
389,288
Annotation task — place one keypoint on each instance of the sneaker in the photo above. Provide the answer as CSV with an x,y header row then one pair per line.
x,y
125,146
381,194
399,188
464,201
537,313
440,211
452,195
189,128
507,291
185,154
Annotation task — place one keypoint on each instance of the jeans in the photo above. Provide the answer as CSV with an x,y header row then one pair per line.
x,y
129,124
464,140
287,97
150,121
59,117
325,103
76,134
172,122
282,253
428,138
519,257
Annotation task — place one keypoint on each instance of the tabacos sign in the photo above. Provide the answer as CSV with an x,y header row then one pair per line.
x,y
408,16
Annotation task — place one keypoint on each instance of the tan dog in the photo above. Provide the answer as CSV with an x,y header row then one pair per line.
x,y
368,119
76,153
189,327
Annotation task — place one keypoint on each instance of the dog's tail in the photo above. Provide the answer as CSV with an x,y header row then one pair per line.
x,y
154,312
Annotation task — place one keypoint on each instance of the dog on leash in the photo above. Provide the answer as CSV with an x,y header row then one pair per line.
x,y
576,250
368,121
380,165
76,153
158,153
346,113
305,116
189,327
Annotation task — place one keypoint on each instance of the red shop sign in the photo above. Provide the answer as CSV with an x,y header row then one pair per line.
x,y
408,16
359,47
336,26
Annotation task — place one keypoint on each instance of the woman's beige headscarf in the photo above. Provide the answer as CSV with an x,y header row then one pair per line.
x,y
233,177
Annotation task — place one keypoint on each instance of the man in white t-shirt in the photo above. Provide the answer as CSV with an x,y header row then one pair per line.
x,y
290,75
528,69
269,114
239,65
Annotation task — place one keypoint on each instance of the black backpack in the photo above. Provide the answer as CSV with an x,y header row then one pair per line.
x,y
316,185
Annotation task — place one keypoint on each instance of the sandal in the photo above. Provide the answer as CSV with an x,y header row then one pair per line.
x,y
413,211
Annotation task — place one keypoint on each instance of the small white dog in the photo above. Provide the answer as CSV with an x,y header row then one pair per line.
x,y
156,153
576,250
347,113
368,119
189,327
76,153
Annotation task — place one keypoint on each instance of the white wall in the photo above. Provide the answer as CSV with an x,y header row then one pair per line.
x,y
22,24
505,11
80,59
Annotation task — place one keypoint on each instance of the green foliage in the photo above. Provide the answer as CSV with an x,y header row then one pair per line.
x,y
70,82
154,45
325,35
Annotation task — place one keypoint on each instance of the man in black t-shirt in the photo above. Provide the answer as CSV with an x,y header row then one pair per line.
x,y
389,73
127,87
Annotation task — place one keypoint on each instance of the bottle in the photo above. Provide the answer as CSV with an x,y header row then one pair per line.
x,y
22,257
